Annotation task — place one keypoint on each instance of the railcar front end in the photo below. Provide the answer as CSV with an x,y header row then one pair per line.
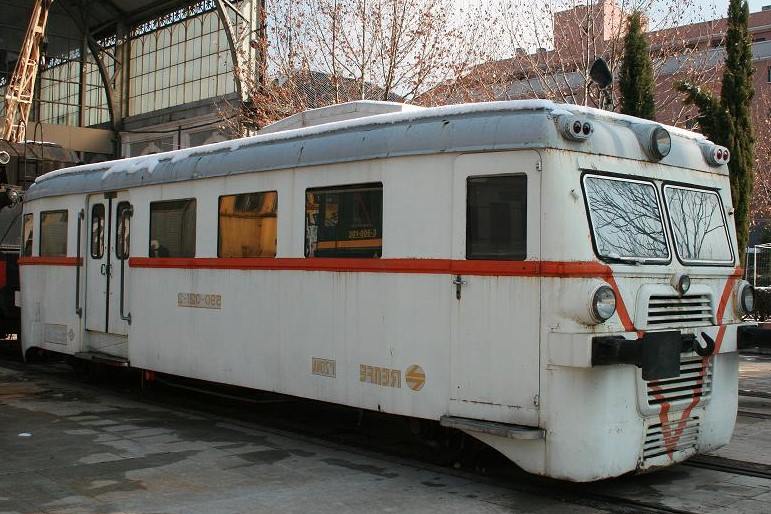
x,y
641,299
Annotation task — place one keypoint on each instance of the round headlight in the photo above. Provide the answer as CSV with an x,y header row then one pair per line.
x,y
603,303
746,298
661,142
681,282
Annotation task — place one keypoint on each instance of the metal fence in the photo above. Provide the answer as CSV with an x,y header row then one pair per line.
x,y
758,265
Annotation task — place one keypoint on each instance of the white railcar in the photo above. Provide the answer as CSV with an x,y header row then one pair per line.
x,y
559,282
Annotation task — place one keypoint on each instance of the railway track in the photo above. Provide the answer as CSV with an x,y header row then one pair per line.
x,y
753,414
754,394
735,467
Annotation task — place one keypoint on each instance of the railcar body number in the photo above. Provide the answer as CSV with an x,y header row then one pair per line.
x,y
323,367
200,301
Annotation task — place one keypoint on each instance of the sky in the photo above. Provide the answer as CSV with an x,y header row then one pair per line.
x,y
702,9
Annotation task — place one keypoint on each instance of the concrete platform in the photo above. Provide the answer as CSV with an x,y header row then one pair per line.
x,y
70,447
751,441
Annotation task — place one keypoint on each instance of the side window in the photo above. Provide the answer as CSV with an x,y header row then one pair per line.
x,y
344,221
172,228
496,217
123,231
247,225
27,229
53,234
97,231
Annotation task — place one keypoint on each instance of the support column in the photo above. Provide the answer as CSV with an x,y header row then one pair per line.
x,y
243,25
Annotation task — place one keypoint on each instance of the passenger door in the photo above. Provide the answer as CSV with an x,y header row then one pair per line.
x,y
107,266
495,349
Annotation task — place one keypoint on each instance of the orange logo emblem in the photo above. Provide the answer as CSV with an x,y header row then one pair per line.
x,y
415,377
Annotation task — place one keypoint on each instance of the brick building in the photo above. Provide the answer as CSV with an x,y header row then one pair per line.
x,y
691,52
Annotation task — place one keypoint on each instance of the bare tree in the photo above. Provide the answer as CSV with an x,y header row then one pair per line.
x,y
546,50
321,52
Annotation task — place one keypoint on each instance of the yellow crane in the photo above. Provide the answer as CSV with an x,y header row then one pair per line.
x,y
21,87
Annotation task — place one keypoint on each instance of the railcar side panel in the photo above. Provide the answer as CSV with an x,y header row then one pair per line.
x,y
49,316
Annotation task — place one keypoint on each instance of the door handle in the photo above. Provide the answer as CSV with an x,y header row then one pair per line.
x,y
458,282
109,270
103,269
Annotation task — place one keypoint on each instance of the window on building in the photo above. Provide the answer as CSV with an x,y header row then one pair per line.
x,y
123,231
27,229
496,217
53,234
247,225
185,58
172,228
344,221
97,231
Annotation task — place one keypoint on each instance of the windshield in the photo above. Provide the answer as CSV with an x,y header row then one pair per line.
x,y
698,225
626,219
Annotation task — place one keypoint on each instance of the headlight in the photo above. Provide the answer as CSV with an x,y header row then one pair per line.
x,y
603,304
745,298
681,282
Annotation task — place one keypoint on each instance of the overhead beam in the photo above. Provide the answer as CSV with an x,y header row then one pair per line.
x,y
79,139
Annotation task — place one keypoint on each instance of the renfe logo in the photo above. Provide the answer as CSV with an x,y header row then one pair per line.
x,y
380,376
201,301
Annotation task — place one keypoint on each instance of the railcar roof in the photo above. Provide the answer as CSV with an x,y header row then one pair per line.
x,y
509,125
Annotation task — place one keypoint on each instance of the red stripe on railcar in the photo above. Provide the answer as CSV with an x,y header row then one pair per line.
x,y
50,261
573,269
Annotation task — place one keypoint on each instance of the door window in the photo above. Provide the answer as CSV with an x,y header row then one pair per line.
x,y
97,231
496,217
123,231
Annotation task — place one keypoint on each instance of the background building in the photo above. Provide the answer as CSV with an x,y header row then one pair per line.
x,y
128,77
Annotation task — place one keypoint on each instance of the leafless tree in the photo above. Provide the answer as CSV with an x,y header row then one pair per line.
x,y
321,52
547,48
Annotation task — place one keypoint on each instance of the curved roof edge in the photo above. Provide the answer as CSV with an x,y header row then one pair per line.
x,y
456,128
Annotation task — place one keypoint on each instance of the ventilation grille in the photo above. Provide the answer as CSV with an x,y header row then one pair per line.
x,y
694,382
674,436
685,310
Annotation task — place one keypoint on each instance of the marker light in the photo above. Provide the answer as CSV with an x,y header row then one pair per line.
x,y
603,303
660,143
574,128
745,298
716,155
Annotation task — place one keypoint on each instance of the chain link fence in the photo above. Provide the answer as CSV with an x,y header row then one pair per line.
x,y
758,273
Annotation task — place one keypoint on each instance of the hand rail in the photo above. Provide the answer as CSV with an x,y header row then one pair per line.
x,y
78,310
129,212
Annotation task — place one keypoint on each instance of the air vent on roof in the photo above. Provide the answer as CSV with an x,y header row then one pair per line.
x,y
339,112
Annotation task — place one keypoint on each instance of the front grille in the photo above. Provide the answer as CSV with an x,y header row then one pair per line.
x,y
688,310
670,437
694,382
